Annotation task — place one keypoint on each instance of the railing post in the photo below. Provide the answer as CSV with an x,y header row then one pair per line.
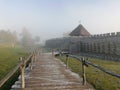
x,y
31,63
22,68
52,53
83,71
66,61
34,56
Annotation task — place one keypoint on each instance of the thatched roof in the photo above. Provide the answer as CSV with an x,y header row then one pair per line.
x,y
79,31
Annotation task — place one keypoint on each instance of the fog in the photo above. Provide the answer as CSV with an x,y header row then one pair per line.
x,y
52,18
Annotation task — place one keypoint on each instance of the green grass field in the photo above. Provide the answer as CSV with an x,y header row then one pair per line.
x,y
9,58
99,79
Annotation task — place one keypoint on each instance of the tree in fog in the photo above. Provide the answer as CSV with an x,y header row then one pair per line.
x,y
66,34
37,39
26,38
8,37
14,38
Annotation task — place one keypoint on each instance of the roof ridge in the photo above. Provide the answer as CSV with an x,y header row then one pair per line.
x,y
80,30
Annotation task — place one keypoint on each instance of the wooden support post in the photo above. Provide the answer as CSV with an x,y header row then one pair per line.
x,y
52,53
83,71
22,68
34,56
66,61
31,63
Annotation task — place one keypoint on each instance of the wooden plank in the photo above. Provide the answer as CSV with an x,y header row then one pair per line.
x,y
49,73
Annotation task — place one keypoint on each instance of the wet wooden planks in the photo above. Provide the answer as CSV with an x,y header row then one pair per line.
x,y
49,73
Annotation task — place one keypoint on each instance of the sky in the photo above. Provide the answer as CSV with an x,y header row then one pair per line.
x,y
52,18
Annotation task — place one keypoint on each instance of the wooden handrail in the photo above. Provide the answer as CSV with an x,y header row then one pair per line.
x,y
85,62
103,69
2,82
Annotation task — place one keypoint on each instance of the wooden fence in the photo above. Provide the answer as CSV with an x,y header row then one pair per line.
x,y
85,63
21,66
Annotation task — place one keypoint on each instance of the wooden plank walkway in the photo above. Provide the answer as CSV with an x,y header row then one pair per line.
x,y
49,73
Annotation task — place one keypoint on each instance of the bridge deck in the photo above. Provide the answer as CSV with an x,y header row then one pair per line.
x,y
49,73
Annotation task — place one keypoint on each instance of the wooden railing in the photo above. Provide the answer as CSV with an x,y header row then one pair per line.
x,y
21,66
85,63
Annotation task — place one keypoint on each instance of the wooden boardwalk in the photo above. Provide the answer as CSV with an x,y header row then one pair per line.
x,y
49,73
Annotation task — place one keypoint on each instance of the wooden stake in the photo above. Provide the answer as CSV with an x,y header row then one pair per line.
x,y
52,53
31,64
83,71
66,61
22,68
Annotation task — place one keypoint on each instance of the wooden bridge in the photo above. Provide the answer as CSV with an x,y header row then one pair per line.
x,y
49,73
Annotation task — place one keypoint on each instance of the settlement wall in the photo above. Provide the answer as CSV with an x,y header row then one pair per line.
x,y
107,45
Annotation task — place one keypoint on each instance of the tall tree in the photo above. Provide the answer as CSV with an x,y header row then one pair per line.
x,y
14,38
26,38
8,37
37,39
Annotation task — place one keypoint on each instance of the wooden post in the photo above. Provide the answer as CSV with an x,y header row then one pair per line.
x,y
66,61
22,68
34,56
31,64
83,71
52,53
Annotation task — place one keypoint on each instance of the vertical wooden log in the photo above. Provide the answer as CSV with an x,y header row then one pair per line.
x,y
52,53
83,71
31,64
66,61
22,68
34,56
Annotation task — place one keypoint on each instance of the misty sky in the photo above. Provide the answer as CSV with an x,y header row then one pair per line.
x,y
52,18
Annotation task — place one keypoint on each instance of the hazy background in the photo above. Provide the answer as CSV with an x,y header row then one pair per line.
x,y
52,18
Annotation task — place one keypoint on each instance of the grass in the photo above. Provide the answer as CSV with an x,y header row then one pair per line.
x,y
9,58
10,81
99,79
